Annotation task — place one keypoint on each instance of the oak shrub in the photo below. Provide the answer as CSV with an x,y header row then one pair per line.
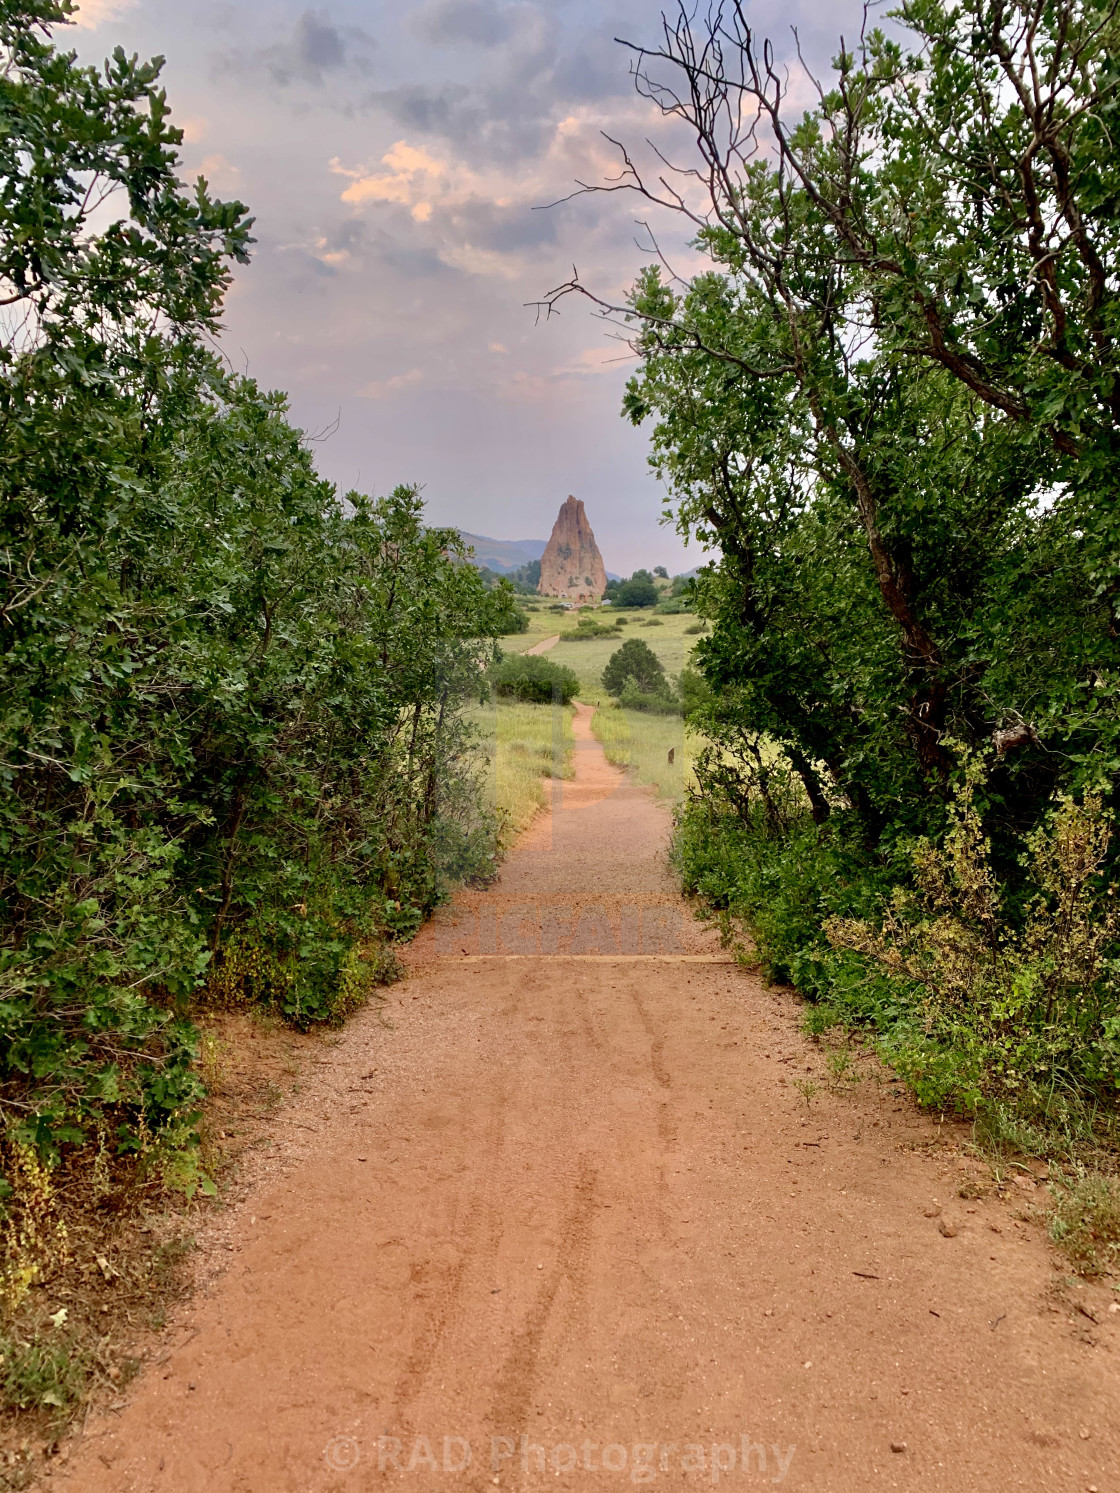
x,y
233,764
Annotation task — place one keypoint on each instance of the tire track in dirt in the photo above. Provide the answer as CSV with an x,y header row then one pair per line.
x,y
518,1372
484,1220
656,1045
435,1316
666,1123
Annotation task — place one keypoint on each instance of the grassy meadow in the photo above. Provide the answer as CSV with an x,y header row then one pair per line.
x,y
525,746
631,738
642,742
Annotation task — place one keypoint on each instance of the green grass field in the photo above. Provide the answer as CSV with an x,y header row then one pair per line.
x,y
642,743
667,637
631,738
521,744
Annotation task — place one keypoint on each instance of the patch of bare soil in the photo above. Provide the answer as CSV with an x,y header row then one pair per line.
x,y
582,1207
93,1319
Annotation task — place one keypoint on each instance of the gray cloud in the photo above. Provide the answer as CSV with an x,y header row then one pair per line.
x,y
351,235
448,110
376,248
412,263
318,46
470,21
598,71
509,117
301,267
317,51
532,70
505,230
527,74
408,309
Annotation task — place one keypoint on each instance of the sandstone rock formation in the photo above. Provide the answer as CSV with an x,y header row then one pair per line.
x,y
571,566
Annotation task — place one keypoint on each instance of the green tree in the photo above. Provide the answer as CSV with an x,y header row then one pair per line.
x,y
695,692
638,591
915,520
891,403
526,578
635,660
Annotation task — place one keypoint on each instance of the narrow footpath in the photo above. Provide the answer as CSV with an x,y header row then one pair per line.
x,y
544,645
567,1212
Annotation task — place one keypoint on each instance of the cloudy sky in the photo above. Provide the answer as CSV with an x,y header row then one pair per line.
x,y
396,157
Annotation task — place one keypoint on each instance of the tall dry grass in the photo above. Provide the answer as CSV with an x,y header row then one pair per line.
x,y
642,742
524,746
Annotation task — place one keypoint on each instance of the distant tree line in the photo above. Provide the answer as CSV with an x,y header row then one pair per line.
x,y
524,580
641,589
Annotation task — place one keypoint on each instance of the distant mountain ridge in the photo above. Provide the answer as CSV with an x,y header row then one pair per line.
x,y
504,554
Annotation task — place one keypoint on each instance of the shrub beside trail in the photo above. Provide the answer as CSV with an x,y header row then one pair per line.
x,y
533,678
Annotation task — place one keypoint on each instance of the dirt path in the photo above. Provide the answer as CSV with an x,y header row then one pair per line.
x,y
544,645
573,1196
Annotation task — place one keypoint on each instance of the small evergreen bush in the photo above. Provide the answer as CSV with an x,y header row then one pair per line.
x,y
587,628
514,621
635,660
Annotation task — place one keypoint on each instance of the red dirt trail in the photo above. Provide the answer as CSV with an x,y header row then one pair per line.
x,y
561,1205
